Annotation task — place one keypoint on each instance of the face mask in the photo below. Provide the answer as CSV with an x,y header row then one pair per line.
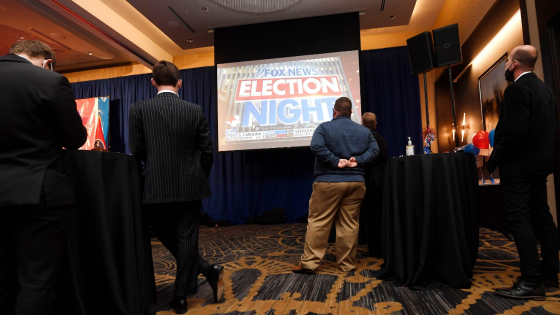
x,y
509,74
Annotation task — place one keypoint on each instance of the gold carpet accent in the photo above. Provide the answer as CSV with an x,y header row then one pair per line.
x,y
258,280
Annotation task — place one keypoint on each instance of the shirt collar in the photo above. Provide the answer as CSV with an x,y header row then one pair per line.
x,y
166,91
522,75
24,58
337,117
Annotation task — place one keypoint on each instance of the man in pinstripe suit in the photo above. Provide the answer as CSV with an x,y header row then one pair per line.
x,y
171,136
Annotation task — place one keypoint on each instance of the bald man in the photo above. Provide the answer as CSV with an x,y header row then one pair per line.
x,y
523,148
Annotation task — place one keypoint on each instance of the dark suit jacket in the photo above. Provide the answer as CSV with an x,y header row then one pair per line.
x,y
524,141
167,134
376,168
38,117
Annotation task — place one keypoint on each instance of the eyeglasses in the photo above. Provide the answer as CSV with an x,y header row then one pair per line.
x,y
50,64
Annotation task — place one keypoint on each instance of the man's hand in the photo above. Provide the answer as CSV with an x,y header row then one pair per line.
x,y
342,163
352,162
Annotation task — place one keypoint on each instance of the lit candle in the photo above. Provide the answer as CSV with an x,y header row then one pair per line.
x,y
463,131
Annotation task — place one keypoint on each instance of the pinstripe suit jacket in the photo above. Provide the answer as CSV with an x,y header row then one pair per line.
x,y
167,133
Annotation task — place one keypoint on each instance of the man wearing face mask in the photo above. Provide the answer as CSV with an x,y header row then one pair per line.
x,y
38,118
527,116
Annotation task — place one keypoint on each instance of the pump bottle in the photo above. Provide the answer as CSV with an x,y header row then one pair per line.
x,y
409,148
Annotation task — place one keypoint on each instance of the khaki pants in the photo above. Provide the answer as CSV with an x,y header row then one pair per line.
x,y
339,202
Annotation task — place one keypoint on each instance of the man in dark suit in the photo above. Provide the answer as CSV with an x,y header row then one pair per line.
x,y
171,136
38,117
372,206
523,149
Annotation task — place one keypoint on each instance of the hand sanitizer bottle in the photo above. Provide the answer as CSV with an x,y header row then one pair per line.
x,y
409,148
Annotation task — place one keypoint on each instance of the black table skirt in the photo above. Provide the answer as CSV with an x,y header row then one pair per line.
x,y
430,224
108,267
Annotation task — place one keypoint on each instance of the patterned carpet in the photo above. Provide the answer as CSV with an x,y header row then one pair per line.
x,y
258,259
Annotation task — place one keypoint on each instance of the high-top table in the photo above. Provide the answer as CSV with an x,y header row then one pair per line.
x,y
430,224
108,266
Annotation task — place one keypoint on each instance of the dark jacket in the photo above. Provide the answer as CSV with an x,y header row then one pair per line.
x,y
341,138
38,117
376,168
171,136
524,143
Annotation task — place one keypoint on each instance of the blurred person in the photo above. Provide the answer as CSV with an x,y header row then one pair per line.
x,y
372,206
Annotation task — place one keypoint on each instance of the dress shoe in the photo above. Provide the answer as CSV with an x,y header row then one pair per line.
x,y
551,282
179,304
300,269
523,290
215,279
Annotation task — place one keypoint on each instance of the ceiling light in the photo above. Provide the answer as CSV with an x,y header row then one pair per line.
x,y
204,9
172,24
392,17
90,53
189,40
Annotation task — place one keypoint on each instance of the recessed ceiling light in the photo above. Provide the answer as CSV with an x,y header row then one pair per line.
x,y
189,40
172,24
204,9
20,37
90,53
58,36
392,17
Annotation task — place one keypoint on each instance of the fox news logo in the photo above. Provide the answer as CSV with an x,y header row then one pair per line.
x,y
287,72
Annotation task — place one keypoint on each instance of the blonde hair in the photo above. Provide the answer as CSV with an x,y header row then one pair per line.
x,y
369,120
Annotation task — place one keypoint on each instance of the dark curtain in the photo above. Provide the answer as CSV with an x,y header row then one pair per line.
x,y
391,91
247,183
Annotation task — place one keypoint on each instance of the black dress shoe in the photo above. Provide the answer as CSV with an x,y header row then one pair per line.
x,y
179,304
215,276
551,282
523,290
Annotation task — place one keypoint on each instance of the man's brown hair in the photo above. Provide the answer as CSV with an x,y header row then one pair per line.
x,y
166,73
369,120
34,49
343,106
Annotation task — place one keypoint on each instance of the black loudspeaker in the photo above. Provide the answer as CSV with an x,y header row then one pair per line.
x,y
420,52
447,45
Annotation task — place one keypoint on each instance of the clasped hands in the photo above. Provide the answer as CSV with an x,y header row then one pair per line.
x,y
351,162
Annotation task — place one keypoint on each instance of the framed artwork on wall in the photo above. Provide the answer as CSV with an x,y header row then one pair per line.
x,y
491,86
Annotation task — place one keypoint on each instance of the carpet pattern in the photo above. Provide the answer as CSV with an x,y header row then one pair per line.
x,y
258,281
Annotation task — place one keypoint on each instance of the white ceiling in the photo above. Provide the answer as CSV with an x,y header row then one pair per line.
x,y
123,31
19,21
161,14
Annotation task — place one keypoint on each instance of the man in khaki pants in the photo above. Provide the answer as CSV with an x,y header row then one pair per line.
x,y
342,148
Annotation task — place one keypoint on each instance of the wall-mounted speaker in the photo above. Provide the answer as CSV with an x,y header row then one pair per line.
x,y
420,52
447,46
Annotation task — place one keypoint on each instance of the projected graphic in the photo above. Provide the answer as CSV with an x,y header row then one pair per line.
x,y
279,102
95,117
